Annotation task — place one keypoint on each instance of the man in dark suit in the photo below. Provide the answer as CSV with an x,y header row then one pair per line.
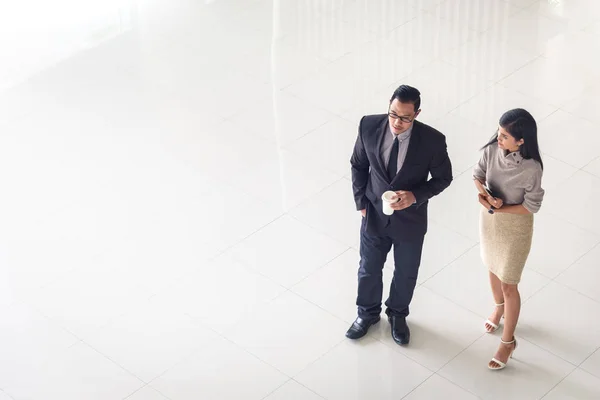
x,y
394,152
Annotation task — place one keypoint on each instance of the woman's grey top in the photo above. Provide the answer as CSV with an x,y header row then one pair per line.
x,y
511,178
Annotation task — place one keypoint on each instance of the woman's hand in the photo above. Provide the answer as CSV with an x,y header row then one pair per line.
x,y
484,202
495,202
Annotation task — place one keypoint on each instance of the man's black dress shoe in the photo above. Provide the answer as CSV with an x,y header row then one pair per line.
x,y
400,331
360,327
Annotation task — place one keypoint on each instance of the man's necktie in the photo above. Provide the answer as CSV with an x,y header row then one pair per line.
x,y
392,167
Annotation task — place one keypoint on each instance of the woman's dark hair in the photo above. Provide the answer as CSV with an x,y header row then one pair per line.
x,y
521,125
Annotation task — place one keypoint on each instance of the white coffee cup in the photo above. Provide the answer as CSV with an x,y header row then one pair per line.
x,y
387,199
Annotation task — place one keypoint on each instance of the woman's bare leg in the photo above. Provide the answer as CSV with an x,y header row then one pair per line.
x,y
498,294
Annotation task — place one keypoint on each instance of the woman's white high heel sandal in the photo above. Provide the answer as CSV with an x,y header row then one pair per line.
x,y
502,365
490,323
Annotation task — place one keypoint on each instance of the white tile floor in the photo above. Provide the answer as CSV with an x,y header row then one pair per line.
x,y
176,212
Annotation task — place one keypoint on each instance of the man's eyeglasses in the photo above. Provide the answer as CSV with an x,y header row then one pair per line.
x,y
403,119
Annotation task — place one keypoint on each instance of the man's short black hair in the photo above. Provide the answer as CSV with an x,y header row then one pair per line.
x,y
407,94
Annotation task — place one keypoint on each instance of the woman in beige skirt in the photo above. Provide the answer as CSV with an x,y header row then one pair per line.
x,y
509,179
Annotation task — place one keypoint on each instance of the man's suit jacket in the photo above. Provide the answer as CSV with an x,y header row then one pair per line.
x,y
427,154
